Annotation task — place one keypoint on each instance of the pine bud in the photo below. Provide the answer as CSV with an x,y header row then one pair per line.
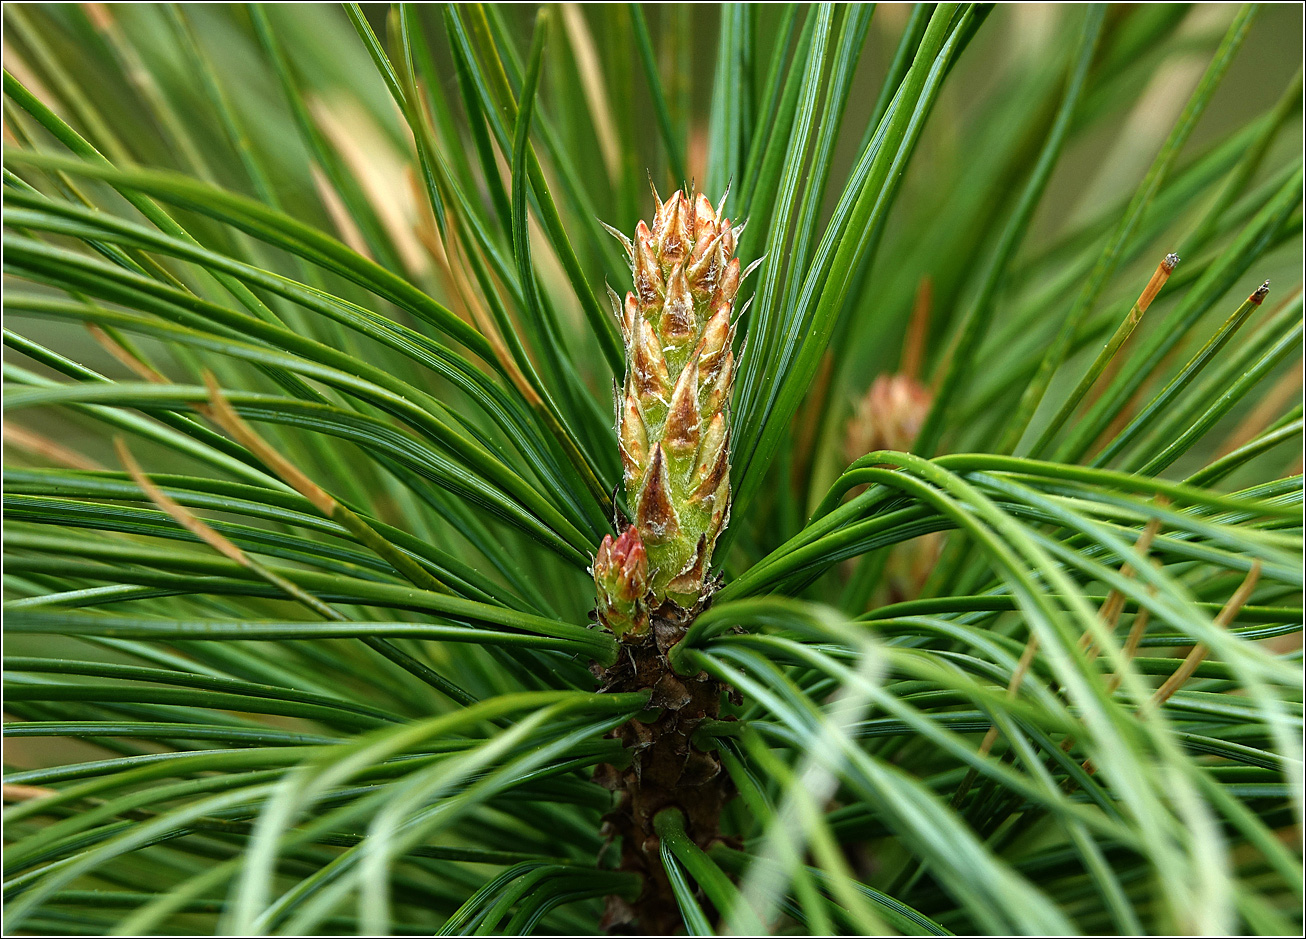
x,y
673,427
621,580
889,417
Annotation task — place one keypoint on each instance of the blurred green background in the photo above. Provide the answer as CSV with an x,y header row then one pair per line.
x,y
996,103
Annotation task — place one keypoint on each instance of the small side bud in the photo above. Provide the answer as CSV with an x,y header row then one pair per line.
x,y
889,417
621,581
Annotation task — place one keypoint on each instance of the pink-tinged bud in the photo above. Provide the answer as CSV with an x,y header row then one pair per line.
x,y
633,438
656,514
719,391
673,239
678,322
648,275
680,433
623,565
889,417
621,578
649,367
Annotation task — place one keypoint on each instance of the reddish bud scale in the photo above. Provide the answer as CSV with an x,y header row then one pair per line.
x,y
671,412
621,579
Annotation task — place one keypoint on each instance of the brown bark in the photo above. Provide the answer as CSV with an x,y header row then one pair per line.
x,y
665,770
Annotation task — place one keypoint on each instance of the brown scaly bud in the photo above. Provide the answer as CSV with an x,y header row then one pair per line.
x,y
889,417
621,582
672,421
